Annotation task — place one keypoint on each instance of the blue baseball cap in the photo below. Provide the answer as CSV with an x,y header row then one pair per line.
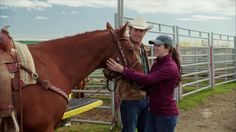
x,y
162,39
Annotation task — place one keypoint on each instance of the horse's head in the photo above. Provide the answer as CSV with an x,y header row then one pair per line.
x,y
5,40
124,53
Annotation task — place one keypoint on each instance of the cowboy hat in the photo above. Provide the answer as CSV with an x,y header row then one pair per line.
x,y
140,23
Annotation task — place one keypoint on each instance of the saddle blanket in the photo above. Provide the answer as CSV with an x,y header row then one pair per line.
x,y
26,60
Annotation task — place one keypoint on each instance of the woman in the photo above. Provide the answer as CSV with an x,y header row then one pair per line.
x,y
161,81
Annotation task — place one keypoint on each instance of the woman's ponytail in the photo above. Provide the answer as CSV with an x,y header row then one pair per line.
x,y
175,56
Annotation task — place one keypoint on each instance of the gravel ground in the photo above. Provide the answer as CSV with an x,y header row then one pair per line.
x,y
217,114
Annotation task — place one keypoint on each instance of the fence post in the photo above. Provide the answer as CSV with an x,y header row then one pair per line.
x,y
116,20
178,90
234,57
211,59
120,13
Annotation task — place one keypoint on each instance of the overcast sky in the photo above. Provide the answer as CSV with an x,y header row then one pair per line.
x,y
47,19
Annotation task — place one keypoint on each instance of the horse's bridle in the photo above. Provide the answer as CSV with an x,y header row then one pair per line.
x,y
111,74
117,44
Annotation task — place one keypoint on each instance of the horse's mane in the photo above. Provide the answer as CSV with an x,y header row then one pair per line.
x,y
79,35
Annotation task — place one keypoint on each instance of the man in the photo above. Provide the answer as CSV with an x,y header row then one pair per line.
x,y
134,105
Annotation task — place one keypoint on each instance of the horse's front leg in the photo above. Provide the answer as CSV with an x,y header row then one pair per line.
x,y
42,109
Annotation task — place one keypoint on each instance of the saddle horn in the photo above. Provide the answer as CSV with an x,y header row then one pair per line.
x,y
4,29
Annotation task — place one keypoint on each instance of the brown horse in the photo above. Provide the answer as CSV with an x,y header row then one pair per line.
x,y
63,63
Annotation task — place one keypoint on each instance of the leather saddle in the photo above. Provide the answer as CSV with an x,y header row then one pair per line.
x,y
7,70
9,81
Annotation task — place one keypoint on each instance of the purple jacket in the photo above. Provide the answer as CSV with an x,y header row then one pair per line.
x,y
161,82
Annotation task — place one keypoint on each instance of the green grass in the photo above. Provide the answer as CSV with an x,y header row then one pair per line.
x,y
85,128
189,102
188,89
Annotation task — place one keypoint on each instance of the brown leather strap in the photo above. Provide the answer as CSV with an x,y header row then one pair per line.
x,y
2,107
45,83
117,42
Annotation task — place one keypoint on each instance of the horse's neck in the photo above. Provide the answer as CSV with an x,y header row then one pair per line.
x,y
71,59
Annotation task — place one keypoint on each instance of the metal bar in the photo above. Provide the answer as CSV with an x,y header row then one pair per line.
x,y
224,61
203,63
198,55
103,107
113,100
160,32
223,54
211,60
165,25
178,90
198,81
90,121
193,37
194,73
235,56
224,40
223,35
219,69
192,30
195,91
225,75
121,12
225,82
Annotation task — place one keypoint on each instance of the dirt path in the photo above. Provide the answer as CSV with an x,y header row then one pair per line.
x,y
217,114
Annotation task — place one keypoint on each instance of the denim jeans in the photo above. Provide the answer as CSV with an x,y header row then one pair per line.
x,y
134,115
157,123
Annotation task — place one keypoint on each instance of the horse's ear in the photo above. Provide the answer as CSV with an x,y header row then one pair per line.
x,y
109,26
123,29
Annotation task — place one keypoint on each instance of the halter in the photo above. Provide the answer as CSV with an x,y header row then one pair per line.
x,y
111,75
117,42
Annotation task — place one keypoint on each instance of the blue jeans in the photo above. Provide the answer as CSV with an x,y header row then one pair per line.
x,y
134,115
157,123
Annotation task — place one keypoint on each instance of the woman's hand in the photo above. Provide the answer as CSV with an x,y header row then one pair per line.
x,y
114,66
